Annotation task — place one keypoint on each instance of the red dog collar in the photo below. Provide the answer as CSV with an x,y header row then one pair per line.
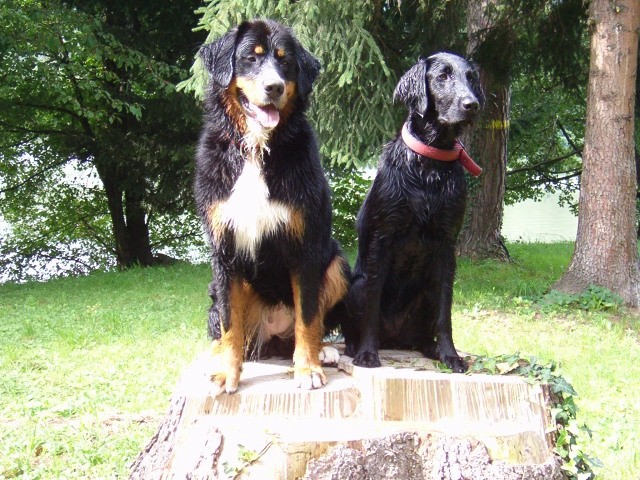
x,y
458,152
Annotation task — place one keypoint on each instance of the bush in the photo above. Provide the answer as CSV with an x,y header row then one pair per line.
x,y
594,298
349,188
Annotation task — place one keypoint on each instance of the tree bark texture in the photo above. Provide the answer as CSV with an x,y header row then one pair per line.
x,y
128,219
487,143
412,456
402,421
606,244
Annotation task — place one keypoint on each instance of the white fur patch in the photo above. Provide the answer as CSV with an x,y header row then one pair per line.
x,y
249,213
256,138
329,355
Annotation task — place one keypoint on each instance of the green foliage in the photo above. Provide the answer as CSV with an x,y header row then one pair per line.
x,y
86,378
349,190
88,90
576,464
594,298
545,140
245,458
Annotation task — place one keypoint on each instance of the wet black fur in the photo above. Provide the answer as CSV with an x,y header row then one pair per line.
x,y
408,225
292,172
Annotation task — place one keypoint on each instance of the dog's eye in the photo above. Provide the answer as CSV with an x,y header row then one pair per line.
x,y
251,58
446,73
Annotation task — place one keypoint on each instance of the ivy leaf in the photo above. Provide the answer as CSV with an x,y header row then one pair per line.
x,y
560,385
506,367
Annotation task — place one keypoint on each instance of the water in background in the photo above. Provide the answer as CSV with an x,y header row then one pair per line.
x,y
543,221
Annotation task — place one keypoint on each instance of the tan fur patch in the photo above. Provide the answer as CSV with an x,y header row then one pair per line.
x,y
308,338
215,224
230,347
233,107
251,89
280,52
335,285
290,91
258,50
296,224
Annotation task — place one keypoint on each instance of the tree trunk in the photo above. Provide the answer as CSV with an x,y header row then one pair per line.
x,y
403,421
480,236
606,245
137,227
128,220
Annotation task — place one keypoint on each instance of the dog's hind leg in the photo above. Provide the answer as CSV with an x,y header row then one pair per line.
x,y
213,320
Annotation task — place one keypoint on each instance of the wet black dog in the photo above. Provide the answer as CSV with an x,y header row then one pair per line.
x,y
402,286
265,204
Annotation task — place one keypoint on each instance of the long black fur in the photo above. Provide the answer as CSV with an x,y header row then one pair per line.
x,y
292,172
402,286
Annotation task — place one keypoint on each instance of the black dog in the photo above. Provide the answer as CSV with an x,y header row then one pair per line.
x,y
408,225
264,201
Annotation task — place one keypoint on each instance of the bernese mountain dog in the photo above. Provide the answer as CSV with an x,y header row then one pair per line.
x,y
265,204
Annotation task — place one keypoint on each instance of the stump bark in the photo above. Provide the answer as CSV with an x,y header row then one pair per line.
x,y
404,420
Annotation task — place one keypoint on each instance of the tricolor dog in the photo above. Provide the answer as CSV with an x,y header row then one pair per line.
x,y
265,204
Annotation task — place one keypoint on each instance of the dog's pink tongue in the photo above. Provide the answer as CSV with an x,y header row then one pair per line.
x,y
268,116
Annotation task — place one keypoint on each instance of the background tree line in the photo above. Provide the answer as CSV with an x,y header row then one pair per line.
x,y
91,84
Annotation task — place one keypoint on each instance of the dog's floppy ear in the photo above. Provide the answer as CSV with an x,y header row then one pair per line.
x,y
308,70
412,88
218,57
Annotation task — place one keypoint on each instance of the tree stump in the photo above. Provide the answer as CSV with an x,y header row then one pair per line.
x,y
404,420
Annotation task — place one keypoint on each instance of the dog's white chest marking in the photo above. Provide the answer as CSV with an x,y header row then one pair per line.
x,y
249,213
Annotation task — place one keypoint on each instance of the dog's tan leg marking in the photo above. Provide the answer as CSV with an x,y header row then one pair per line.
x,y
334,288
307,371
229,349
335,285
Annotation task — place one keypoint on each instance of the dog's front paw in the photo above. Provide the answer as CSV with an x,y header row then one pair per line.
x,y
225,382
226,366
329,355
309,377
455,363
367,359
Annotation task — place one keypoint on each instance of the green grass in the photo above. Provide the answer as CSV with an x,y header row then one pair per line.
x,y
87,365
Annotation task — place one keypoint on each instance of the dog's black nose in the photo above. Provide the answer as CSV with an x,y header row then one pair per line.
x,y
470,104
274,89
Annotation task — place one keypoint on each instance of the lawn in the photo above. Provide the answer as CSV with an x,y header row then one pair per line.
x,y
88,364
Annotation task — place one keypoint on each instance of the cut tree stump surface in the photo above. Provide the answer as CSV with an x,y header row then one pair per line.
x,y
403,420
